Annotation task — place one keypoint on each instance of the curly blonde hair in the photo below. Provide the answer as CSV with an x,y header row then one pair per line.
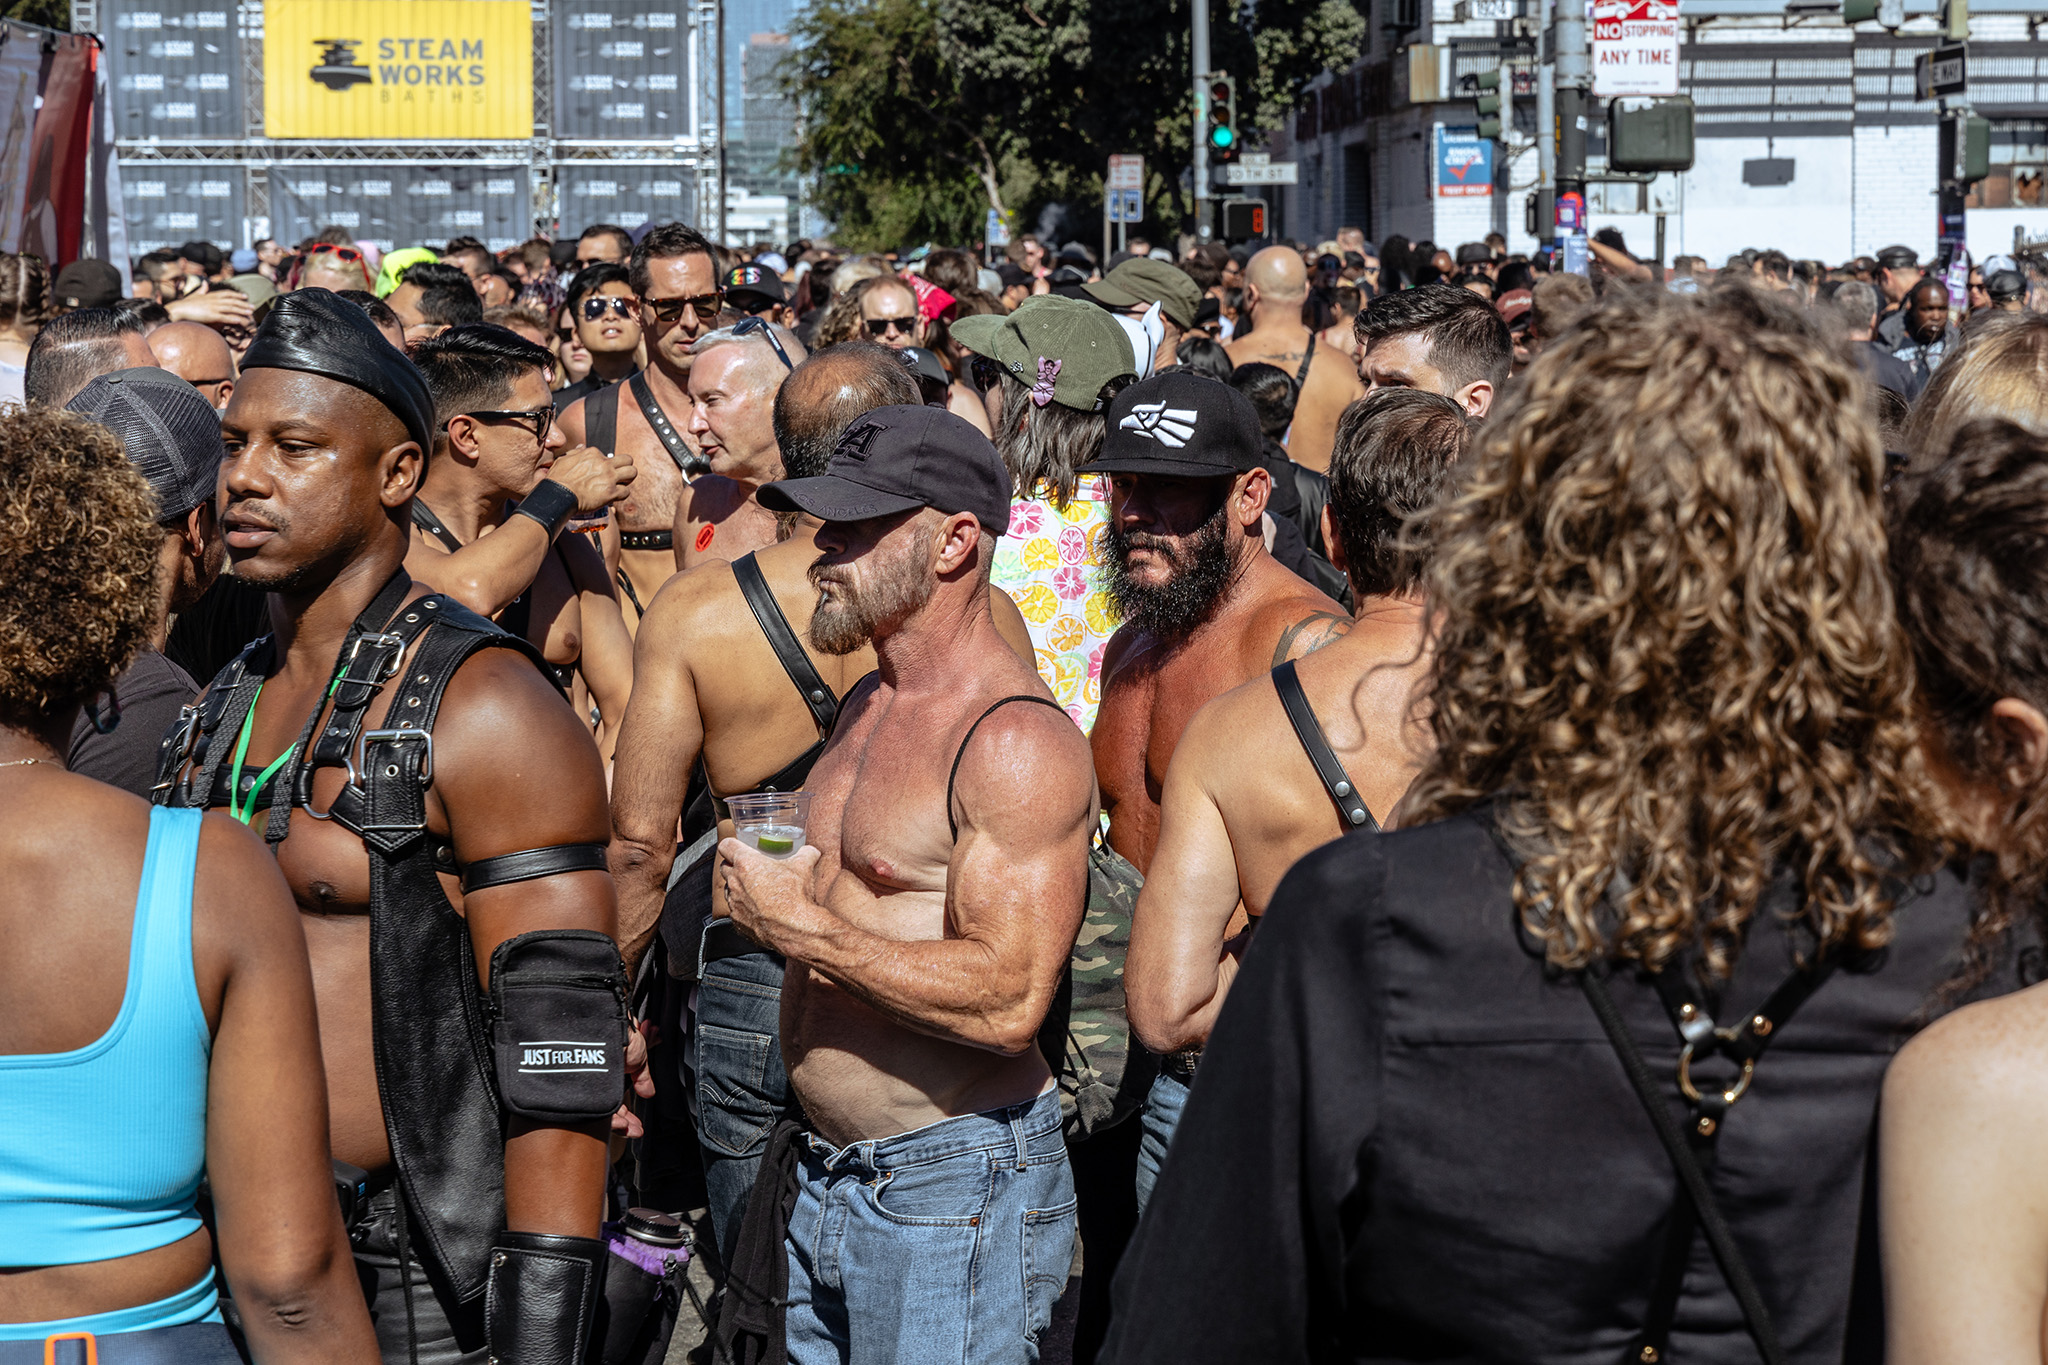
x,y
78,563
1666,640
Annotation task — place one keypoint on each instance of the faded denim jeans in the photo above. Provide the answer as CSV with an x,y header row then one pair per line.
x,y
946,1245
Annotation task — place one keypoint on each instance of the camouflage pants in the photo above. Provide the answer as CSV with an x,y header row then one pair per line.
x,y
1104,1073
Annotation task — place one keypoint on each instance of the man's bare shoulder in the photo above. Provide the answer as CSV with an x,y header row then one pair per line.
x,y
1027,756
1289,618
711,498
571,421
1334,375
1266,348
1223,739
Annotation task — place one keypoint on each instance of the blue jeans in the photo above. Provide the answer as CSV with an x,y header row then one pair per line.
x,y
1160,1116
948,1244
742,1088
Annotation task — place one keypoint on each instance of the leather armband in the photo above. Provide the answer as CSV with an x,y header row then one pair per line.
x,y
543,1297
551,504
558,1026
531,863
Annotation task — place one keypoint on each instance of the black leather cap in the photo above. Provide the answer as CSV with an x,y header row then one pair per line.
x,y
318,332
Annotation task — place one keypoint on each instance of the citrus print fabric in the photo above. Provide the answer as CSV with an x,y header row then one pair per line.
x,y
1048,562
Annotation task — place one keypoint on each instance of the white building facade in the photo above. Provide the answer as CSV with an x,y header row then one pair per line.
x,y
1809,138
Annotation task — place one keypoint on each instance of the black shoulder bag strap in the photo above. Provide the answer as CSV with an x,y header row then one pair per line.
x,y
1309,731
601,419
671,440
824,706
1308,358
951,823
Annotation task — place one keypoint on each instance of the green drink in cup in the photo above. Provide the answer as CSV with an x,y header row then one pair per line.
x,y
771,822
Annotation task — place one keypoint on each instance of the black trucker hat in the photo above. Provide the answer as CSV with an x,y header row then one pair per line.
x,y
1181,424
898,458
171,433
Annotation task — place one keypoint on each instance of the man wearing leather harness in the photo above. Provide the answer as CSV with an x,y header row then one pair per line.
x,y
728,685
934,1213
495,444
648,416
451,878
1338,732
1276,286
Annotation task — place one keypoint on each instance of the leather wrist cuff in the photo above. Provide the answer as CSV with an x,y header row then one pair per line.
x,y
551,504
542,1299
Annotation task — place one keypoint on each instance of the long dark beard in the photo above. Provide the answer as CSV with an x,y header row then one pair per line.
x,y
1200,572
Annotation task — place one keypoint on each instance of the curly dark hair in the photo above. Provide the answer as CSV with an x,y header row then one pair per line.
x,y
1969,558
78,563
1666,640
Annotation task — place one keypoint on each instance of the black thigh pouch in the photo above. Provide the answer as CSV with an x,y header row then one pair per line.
x,y
558,1026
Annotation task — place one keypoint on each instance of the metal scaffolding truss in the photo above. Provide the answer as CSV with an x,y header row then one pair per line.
x,y
542,154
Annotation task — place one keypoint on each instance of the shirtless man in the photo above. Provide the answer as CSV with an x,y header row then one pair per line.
x,y
1439,338
1275,287
717,690
1229,830
927,925
1205,605
461,753
495,443
196,354
734,377
673,276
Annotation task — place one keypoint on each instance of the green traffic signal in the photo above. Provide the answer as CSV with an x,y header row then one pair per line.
x,y
1223,137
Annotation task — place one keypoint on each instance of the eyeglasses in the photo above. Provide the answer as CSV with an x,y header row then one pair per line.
x,y
346,253
987,373
879,327
753,305
746,327
705,306
543,418
596,306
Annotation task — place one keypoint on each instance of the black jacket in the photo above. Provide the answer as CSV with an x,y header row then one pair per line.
x,y
1409,1140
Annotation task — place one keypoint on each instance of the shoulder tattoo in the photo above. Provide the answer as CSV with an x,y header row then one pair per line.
x,y
1310,634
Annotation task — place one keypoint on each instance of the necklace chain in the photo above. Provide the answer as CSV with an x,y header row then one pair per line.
x,y
24,762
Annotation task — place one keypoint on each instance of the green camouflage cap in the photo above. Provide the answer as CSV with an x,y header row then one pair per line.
x,y
1067,350
1144,281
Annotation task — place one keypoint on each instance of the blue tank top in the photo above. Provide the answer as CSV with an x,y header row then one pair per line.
x,y
102,1147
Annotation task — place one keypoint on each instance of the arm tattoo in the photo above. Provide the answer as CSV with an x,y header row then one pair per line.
x,y
1310,634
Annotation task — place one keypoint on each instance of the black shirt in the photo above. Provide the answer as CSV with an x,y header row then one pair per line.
x,y
1410,1141
150,694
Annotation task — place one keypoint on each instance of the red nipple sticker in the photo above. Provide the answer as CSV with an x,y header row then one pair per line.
x,y
704,538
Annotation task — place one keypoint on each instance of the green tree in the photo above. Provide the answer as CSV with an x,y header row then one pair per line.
x,y
1025,100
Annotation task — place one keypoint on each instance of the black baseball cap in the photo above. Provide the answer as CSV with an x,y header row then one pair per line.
x,y
1898,258
87,284
898,458
171,434
755,278
1180,424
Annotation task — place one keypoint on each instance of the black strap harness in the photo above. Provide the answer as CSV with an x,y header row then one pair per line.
x,y
960,753
1309,731
428,1021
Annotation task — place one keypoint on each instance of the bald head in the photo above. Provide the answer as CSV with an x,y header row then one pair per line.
x,y
1278,274
823,396
198,355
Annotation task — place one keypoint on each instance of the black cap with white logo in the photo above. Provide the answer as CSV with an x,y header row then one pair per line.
x,y
898,458
1180,424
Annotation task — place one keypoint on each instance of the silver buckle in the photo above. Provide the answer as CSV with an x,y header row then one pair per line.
x,y
382,640
355,774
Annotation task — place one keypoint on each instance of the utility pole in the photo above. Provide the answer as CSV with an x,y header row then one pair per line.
x,y
1546,127
1200,53
1573,82
720,27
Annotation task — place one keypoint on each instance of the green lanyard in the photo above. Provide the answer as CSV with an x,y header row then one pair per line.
x,y
247,813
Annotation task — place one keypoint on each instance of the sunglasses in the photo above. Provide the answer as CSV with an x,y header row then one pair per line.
x,y
346,253
987,373
542,417
705,306
746,327
596,306
753,305
879,327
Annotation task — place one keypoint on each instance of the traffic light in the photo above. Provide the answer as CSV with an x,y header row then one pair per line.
x,y
1243,219
1486,102
1650,135
1221,88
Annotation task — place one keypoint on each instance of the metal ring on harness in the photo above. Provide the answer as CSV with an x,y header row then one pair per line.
x,y
1686,1087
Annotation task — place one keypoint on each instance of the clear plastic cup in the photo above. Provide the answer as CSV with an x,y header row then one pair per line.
x,y
771,822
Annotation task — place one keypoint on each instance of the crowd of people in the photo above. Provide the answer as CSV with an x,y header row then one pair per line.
x,y
1311,801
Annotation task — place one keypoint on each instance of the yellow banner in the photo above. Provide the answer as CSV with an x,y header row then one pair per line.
x,y
440,69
